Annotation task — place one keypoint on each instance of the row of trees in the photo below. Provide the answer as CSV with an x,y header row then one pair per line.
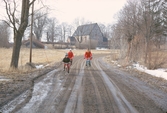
x,y
55,31
50,28
141,30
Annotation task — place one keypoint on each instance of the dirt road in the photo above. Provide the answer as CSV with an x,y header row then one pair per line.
x,y
100,88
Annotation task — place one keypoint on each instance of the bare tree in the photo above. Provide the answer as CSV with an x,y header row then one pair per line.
x,y
52,30
4,35
40,21
18,26
128,26
70,29
164,16
108,31
115,42
160,18
64,27
142,24
151,26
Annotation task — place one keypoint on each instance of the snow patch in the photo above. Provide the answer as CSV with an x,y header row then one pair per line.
x,y
158,72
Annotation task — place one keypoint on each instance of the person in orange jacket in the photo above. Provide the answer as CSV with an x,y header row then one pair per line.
x,y
88,56
71,56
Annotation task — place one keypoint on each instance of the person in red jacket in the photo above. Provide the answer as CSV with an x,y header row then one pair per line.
x,y
88,56
70,55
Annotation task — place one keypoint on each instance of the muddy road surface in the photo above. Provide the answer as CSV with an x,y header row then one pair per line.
x,y
100,88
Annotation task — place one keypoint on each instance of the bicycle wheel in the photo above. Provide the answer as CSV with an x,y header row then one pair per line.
x,y
71,61
89,63
68,68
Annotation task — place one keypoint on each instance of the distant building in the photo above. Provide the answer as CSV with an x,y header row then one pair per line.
x,y
71,40
35,43
89,36
105,43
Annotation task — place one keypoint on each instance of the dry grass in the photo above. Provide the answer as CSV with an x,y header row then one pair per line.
x,y
158,59
39,56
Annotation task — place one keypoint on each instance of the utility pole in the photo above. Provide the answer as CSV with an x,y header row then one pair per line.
x,y
32,18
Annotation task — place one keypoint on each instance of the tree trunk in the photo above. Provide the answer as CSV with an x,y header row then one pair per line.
x,y
146,51
129,51
16,50
18,34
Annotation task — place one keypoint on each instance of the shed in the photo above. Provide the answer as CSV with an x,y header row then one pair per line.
x,y
35,43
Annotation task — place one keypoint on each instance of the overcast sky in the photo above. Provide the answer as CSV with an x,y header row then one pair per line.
x,y
100,11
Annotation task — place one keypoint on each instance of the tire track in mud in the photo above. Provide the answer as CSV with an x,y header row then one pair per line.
x,y
74,103
53,97
104,93
97,92
62,100
133,89
89,97
97,97
63,97
120,101
56,100
69,97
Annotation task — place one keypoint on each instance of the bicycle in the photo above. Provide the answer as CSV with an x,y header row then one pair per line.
x,y
71,61
67,67
88,63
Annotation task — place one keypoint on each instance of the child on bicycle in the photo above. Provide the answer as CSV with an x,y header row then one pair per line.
x,y
88,56
66,60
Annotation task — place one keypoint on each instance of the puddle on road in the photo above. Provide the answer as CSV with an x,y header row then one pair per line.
x,y
40,91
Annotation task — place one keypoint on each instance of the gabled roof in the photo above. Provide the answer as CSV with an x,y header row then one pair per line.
x,y
35,43
84,29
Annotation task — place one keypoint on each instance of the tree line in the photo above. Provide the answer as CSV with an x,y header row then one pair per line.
x,y
140,32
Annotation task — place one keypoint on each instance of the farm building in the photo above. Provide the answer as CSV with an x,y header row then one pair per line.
x,y
71,40
35,43
89,36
